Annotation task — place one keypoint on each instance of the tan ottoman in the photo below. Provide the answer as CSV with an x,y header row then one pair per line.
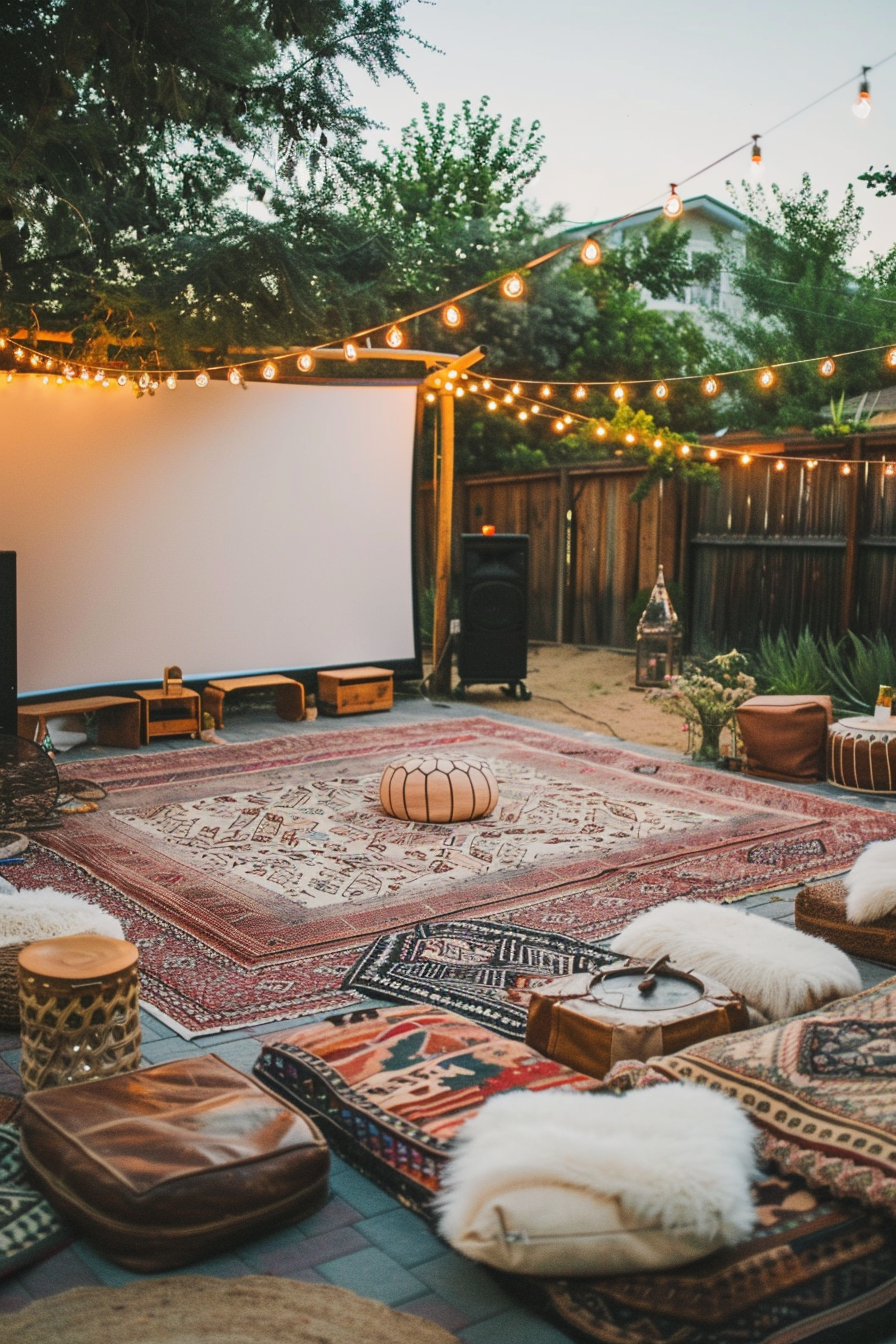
x,y
821,910
785,736
862,755
438,789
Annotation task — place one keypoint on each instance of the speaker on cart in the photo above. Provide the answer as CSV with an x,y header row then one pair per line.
x,y
494,612
8,655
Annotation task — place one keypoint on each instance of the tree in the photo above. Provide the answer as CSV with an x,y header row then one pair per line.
x,y
131,130
803,299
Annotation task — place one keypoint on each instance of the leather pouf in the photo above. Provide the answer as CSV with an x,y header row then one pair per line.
x,y
436,788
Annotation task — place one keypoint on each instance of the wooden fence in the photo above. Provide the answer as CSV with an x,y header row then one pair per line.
x,y
768,551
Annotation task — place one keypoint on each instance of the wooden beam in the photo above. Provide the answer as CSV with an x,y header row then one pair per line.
x,y
853,523
440,682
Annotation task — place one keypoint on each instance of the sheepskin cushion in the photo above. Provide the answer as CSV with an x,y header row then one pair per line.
x,y
577,1184
29,916
871,883
779,971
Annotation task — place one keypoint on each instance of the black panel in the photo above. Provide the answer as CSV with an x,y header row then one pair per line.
x,y
494,608
8,655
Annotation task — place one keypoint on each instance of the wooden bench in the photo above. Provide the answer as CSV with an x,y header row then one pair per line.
x,y
289,695
354,690
117,716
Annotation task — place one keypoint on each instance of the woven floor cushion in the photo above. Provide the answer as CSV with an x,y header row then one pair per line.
x,y
821,910
171,1164
438,789
391,1087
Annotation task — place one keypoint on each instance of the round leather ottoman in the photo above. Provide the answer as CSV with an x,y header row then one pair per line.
x,y
437,788
862,755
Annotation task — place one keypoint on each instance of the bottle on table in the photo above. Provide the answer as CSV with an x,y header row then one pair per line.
x,y
884,706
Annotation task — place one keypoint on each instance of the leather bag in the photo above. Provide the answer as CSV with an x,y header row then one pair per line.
x,y
630,1010
168,1165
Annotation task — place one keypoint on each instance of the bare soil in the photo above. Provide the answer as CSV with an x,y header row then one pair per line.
x,y
588,688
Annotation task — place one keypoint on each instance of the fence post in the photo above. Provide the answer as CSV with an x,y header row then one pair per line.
x,y
850,559
440,681
562,535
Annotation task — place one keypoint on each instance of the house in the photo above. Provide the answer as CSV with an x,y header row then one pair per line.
x,y
711,225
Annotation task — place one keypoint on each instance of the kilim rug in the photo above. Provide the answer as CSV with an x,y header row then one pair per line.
x,y
29,1227
482,970
252,876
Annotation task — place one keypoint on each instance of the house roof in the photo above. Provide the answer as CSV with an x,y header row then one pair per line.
x,y
870,404
717,211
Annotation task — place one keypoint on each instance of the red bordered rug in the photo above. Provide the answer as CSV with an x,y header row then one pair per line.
x,y
252,875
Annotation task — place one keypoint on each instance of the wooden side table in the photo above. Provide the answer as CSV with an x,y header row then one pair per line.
x,y
862,755
117,718
354,690
289,695
169,714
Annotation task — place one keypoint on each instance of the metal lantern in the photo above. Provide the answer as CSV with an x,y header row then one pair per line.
x,y
659,638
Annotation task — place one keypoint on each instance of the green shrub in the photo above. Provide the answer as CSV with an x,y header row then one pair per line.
x,y
849,670
783,667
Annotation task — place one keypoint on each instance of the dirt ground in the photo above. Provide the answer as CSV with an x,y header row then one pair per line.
x,y
588,688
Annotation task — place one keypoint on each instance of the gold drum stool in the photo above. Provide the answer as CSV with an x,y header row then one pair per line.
x,y
79,1007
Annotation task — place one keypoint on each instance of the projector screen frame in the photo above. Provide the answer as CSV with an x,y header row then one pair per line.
x,y
409,667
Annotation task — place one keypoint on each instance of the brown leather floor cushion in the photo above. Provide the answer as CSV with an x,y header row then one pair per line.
x,y
170,1164
785,736
822,910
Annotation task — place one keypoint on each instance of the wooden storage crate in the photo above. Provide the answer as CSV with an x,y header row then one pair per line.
x,y
354,690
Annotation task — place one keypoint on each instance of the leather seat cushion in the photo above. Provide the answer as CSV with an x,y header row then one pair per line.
x,y
173,1163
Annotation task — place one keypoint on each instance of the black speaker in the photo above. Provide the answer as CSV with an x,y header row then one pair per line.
x,y
494,611
8,654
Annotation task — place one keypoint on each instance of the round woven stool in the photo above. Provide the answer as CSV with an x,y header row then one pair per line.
x,y
79,1007
862,755
438,789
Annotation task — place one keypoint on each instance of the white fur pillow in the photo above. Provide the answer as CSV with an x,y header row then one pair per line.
x,y
779,971
29,916
871,883
577,1183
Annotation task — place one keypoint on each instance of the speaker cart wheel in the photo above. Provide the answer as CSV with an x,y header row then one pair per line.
x,y
522,690
460,691
509,691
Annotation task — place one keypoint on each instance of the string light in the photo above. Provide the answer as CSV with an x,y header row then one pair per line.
x,y
508,399
601,432
745,459
305,362
756,157
710,386
546,392
535,410
395,337
523,415
85,376
45,380
567,419
846,469
452,316
350,351
580,394
861,108
779,465
674,207
474,387
657,443
430,397
827,368
59,381
513,287
19,354
269,371
617,392
685,450
153,385
631,438
890,357
143,381
811,464
234,377
171,381
493,406
516,389
104,383
122,380
97,377
713,454
766,378
459,392
889,469
590,252
559,426
661,391
486,385
34,361
202,379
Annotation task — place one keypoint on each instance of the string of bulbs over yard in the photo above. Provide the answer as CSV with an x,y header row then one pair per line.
x,y
503,393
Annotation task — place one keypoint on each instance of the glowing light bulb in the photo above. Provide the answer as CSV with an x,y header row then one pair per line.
x,y
486,385
142,381
779,465
889,469
269,371
590,252
846,469
68,371
657,443
122,380
492,405
395,337
45,380
630,437
580,394
766,378
350,351
535,410
9,376
601,432
674,207
617,392
890,357
756,158
488,529
104,383
508,399
430,397
559,426
452,315
710,386
546,392
2,342
516,389
745,459
34,361
202,379
567,419
19,354
234,377
713,454
305,362
811,464
513,287
522,415
661,391
171,381
827,368
59,381
99,376
474,387
685,450
50,363
861,108
154,385
85,376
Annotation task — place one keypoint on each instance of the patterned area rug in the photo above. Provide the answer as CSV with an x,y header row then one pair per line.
x,y
482,970
29,1227
812,1265
252,876
822,1087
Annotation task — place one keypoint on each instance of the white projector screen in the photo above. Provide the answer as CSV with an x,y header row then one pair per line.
x,y
223,529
